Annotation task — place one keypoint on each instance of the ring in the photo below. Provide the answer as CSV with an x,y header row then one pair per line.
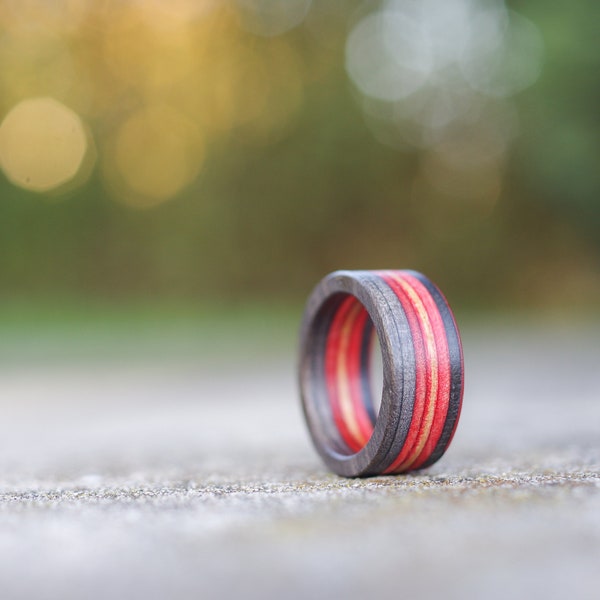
x,y
423,372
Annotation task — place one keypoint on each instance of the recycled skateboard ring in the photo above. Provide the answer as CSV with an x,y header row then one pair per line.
x,y
423,373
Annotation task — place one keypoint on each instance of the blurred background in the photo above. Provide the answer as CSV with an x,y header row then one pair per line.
x,y
176,176
228,153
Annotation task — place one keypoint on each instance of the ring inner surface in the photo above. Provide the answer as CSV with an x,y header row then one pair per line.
x,y
347,350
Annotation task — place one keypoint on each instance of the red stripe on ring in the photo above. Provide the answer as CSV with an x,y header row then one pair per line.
x,y
422,380
444,374
331,370
355,376
343,374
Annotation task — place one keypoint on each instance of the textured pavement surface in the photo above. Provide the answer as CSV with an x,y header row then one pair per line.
x,y
188,473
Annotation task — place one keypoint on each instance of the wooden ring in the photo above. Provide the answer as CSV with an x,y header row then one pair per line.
x,y
423,374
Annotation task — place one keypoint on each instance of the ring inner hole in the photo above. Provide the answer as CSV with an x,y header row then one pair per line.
x,y
353,373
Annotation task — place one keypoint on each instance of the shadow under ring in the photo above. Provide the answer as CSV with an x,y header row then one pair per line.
x,y
423,372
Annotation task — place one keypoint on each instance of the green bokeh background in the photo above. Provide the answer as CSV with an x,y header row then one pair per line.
x,y
263,223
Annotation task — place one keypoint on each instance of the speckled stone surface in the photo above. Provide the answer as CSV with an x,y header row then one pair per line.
x,y
169,477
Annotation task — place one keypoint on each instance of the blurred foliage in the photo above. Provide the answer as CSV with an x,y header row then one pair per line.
x,y
230,158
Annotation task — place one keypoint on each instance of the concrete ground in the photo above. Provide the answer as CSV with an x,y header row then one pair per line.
x,y
188,473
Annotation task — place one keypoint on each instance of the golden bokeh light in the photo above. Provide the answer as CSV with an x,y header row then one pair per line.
x,y
138,51
165,15
63,16
121,63
157,152
43,144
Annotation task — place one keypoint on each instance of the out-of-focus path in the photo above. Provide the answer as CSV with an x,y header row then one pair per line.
x,y
193,476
